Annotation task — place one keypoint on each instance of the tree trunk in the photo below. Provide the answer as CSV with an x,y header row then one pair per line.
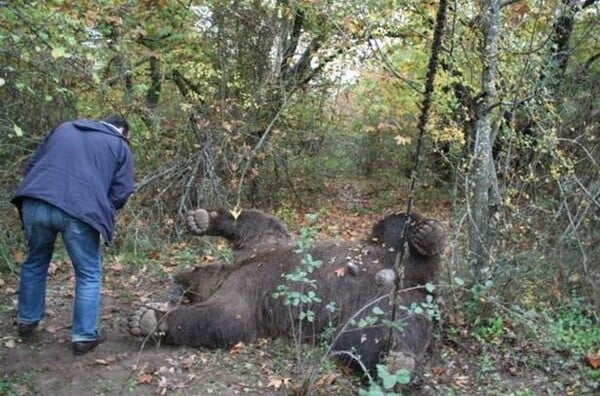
x,y
482,171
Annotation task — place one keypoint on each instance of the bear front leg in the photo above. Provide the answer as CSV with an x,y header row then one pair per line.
x,y
428,238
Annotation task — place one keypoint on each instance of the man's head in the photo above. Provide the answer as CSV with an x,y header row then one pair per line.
x,y
119,122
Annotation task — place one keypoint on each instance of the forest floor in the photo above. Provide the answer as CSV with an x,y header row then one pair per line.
x,y
464,360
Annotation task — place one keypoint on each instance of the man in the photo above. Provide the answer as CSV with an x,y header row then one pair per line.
x,y
73,184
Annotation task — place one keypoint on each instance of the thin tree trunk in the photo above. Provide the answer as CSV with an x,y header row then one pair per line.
x,y
482,172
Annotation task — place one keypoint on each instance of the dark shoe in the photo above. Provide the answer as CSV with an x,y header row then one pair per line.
x,y
25,330
83,347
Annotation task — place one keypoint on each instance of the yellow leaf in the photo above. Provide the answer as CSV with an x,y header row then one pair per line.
x,y
402,140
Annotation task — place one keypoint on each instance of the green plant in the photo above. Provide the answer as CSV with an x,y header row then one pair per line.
x,y
571,327
300,290
387,382
299,295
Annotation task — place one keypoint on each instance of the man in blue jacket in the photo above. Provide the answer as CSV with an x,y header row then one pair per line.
x,y
73,184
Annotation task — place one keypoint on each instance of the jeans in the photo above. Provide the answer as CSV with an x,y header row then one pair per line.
x,y
42,222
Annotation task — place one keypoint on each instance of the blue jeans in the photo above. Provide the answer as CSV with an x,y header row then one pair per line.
x,y
41,223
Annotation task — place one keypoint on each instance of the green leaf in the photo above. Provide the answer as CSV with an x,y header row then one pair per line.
x,y
459,281
377,311
403,376
18,130
59,52
388,382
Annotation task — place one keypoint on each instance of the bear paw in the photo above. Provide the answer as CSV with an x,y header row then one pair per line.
x,y
398,360
147,320
428,238
385,277
197,221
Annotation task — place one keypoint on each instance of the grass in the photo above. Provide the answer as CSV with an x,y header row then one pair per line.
x,y
17,385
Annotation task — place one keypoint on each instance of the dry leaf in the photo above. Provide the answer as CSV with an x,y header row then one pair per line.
x,y
53,328
144,378
52,267
593,360
402,140
462,381
105,362
153,255
326,380
236,348
163,385
162,382
277,383
9,342
18,256
188,361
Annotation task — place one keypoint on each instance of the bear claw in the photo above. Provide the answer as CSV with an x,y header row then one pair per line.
x,y
428,238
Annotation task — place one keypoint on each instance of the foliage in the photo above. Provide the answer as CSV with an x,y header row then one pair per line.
x,y
572,327
388,382
299,292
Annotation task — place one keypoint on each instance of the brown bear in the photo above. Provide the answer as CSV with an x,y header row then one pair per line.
x,y
349,288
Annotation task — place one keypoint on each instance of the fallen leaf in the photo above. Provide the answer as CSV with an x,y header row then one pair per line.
x,y
462,381
188,362
163,385
105,362
144,378
326,380
116,266
153,255
593,360
236,348
162,382
402,140
9,343
9,290
53,328
18,256
52,268
277,383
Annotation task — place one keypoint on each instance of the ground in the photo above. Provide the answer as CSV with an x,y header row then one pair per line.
x,y
493,357
122,365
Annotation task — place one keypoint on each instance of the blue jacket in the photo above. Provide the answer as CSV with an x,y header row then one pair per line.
x,y
84,168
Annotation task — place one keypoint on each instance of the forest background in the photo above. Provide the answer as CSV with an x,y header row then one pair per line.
x,y
306,106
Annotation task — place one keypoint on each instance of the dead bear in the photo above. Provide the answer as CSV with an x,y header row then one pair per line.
x,y
237,302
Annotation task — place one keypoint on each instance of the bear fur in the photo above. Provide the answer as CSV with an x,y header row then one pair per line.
x,y
231,303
